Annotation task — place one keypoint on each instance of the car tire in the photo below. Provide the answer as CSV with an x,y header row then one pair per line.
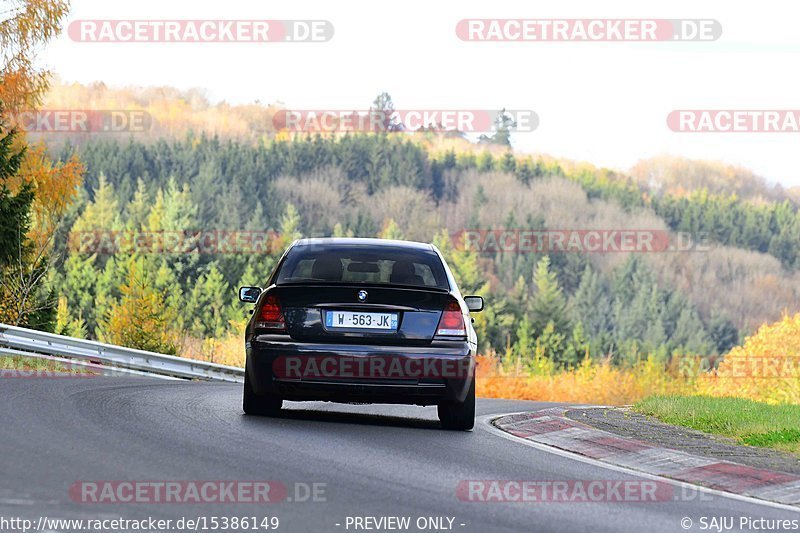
x,y
259,404
459,415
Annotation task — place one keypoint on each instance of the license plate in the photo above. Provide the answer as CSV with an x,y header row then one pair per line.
x,y
349,319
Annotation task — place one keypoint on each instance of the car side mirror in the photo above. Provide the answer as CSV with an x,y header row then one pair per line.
x,y
474,303
249,294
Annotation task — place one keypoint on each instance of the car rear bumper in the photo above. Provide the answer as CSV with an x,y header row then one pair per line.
x,y
424,375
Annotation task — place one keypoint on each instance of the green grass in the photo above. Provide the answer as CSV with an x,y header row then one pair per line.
x,y
751,423
36,364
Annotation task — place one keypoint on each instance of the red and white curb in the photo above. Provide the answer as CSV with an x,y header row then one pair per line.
x,y
551,427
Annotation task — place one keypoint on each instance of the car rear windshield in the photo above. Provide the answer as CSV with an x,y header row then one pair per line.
x,y
363,264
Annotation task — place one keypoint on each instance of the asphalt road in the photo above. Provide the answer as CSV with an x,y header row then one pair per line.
x,y
374,460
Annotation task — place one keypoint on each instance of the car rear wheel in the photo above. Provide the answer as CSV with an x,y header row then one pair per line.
x,y
459,415
257,404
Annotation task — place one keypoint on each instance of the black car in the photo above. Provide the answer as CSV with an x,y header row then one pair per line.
x,y
361,321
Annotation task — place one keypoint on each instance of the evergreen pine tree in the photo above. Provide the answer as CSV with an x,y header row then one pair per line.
x,y
548,304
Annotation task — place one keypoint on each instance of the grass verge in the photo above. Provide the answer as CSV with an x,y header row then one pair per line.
x,y
21,366
749,422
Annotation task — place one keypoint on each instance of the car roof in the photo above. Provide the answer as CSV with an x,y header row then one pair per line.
x,y
360,241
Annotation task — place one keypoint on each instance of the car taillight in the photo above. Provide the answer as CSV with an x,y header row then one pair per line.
x,y
270,316
452,321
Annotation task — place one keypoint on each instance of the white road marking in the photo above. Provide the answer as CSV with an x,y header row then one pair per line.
x,y
16,501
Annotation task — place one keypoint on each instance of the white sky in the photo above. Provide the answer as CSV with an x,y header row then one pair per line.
x,y
605,103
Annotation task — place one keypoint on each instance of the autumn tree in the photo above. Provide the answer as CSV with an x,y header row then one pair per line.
x,y
52,186
141,319
764,368
27,26
390,230
35,192
14,205
68,325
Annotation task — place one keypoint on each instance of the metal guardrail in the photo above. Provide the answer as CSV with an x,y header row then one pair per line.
x,y
22,341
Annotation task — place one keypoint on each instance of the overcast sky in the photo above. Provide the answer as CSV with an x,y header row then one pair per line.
x,y
605,103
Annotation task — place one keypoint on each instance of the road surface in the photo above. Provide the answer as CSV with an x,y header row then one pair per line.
x,y
367,461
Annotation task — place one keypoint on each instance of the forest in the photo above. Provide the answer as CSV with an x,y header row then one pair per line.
x,y
607,305
141,238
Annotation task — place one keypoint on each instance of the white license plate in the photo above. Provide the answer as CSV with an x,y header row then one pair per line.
x,y
349,319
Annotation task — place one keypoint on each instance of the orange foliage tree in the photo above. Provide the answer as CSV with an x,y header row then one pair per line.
x,y
23,293
55,185
24,296
27,25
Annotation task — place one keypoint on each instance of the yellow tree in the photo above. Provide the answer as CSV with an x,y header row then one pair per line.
x,y
23,293
765,368
55,186
25,27
141,319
